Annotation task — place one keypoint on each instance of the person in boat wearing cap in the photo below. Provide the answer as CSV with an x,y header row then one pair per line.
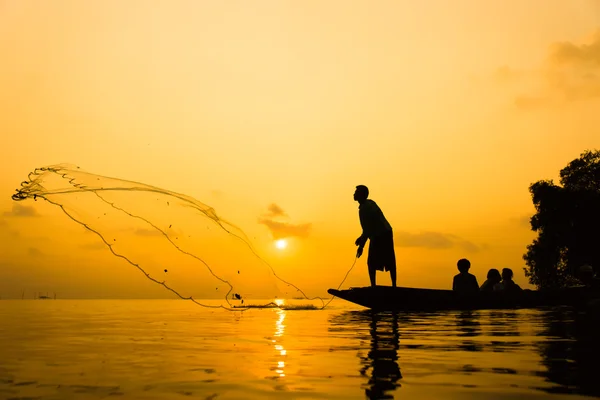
x,y
378,230
464,282
507,284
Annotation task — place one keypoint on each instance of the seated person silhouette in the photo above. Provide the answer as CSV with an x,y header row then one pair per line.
x,y
465,282
493,277
507,285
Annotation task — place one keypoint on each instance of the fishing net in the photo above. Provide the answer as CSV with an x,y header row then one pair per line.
x,y
173,239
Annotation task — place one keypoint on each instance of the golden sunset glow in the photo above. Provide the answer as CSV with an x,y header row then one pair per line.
x,y
271,112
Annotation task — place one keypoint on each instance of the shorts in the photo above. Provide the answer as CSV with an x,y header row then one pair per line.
x,y
382,255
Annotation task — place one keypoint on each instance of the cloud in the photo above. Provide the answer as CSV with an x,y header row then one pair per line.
x,y
275,211
282,229
570,53
570,73
435,240
19,210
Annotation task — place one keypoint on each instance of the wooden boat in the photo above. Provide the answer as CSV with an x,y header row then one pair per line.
x,y
387,298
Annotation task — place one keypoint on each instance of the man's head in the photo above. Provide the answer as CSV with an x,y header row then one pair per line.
x,y
463,265
361,193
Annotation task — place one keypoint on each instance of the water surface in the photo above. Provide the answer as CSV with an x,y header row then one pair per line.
x,y
171,349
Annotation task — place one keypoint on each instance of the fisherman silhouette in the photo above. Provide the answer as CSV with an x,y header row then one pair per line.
x,y
378,230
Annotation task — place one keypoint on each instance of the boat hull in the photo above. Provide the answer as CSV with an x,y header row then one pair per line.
x,y
386,298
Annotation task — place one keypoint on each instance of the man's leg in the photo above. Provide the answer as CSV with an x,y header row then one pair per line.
x,y
392,259
372,275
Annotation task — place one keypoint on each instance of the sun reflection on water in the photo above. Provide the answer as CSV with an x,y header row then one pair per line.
x,y
279,330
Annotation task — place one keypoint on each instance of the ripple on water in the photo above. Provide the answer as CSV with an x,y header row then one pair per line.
x,y
166,349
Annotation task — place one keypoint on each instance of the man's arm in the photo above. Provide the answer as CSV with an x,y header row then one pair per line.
x,y
366,216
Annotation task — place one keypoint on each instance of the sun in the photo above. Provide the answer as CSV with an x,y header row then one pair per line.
x,y
281,244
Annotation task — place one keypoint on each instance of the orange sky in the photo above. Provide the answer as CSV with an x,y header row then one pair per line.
x,y
446,110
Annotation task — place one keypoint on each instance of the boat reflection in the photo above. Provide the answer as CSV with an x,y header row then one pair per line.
x,y
468,327
566,340
505,322
381,363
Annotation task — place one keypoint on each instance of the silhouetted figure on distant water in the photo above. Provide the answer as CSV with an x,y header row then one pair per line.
x,y
465,282
507,284
493,277
376,228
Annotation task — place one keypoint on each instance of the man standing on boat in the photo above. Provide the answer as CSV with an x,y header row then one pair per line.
x,y
376,228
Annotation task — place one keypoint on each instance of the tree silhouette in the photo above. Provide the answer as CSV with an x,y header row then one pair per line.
x,y
567,221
